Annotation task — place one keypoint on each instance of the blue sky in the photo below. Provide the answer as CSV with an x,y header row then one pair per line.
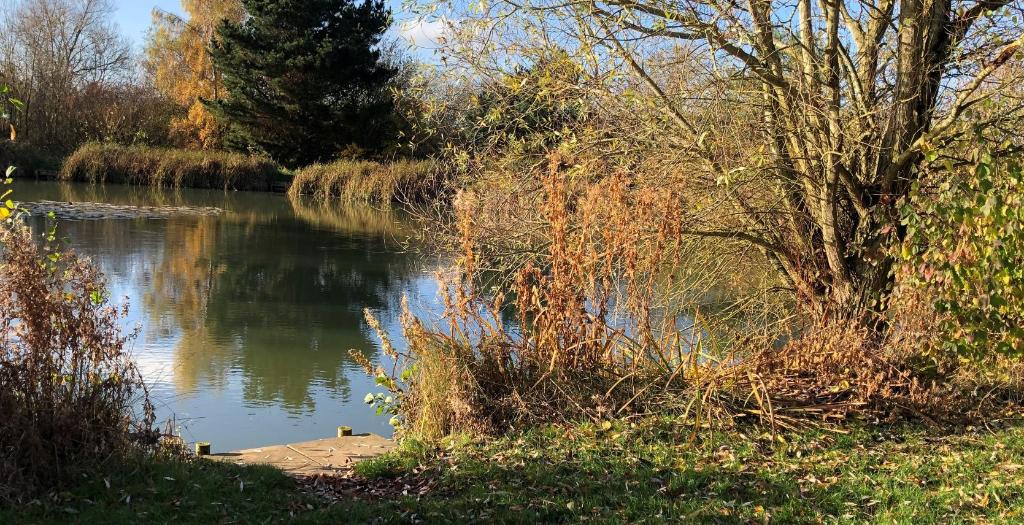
x,y
134,17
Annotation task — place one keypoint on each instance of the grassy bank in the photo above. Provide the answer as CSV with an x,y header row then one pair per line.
x,y
649,473
403,180
652,473
170,491
178,168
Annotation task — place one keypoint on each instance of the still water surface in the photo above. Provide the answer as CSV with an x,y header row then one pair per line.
x,y
246,317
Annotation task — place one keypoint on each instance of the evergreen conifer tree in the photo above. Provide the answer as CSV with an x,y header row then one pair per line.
x,y
304,79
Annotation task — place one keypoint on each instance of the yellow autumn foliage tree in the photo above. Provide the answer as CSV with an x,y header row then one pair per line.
x,y
178,58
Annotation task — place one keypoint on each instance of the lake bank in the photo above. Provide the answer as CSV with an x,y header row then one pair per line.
x,y
649,472
328,456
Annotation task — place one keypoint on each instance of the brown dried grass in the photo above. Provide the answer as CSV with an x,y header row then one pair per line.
x,y
566,358
70,394
378,182
177,168
586,333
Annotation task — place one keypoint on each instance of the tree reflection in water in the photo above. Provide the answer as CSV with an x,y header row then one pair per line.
x,y
256,307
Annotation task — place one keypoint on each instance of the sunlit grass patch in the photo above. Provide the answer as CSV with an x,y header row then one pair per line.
x,y
647,471
653,472
359,180
99,162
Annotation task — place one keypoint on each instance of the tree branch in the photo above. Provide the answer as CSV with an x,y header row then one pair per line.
x,y
963,101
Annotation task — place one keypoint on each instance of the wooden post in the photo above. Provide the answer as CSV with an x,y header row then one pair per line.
x,y
202,448
344,431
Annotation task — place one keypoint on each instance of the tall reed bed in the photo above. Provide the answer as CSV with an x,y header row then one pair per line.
x,y
143,165
378,182
70,395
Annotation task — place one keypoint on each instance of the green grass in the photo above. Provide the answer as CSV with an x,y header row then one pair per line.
x,y
652,473
169,491
646,473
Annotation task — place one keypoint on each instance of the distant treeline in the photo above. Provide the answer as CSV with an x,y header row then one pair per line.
x,y
74,79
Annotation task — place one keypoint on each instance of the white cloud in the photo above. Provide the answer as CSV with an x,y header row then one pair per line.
x,y
424,33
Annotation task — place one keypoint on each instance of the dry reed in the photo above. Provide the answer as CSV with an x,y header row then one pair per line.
x,y
379,182
587,334
567,358
142,165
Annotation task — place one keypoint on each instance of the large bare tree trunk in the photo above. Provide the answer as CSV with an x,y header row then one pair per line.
x,y
840,102
854,95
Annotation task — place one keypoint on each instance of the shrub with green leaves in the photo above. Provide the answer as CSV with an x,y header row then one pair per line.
x,y
965,248
7,204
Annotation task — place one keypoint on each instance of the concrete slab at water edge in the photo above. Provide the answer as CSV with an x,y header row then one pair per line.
x,y
322,456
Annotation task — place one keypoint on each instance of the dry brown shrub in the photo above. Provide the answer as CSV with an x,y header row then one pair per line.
x,y
587,266
569,355
837,369
69,393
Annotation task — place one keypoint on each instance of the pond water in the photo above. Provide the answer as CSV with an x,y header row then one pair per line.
x,y
247,304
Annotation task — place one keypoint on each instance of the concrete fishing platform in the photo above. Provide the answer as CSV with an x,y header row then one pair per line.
x,y
322,456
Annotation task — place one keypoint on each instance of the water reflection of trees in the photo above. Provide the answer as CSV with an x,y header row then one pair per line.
x,y
176,292
271,290
280,303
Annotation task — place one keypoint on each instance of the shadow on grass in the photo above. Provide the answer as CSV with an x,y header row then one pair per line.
x,y
863,477
575,476
544,493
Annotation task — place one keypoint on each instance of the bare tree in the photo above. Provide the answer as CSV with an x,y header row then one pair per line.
x,y
50,52
815,120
